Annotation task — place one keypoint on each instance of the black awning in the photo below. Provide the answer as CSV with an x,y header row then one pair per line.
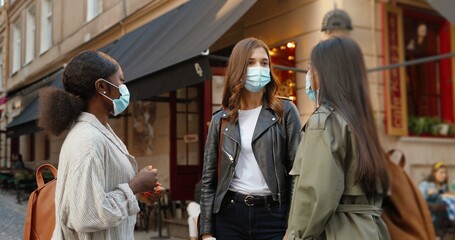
x,y
25,122
189,72
152,55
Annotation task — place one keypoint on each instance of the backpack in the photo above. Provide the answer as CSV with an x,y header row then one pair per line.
x,y
405,211
40,219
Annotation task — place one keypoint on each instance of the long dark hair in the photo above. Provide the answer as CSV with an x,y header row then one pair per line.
x,y
60,108
236,71
344,85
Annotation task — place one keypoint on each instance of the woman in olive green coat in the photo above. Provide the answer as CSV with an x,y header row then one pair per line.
x,y
339,169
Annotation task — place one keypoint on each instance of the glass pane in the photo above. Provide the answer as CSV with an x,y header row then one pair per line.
x,y
193,124
422,79
181,153
193,106
181,93
193,153
181,125
181,107
181,97
192,93
285,55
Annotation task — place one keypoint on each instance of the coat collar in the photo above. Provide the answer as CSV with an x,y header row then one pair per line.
x,y
105,130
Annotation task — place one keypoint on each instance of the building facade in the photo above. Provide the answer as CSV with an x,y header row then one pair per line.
x,y
167,122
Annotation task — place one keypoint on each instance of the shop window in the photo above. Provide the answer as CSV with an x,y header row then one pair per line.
x,y
419,97
284,55
188,126
428,85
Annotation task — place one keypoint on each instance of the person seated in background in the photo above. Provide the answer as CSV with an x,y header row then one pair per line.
x,y
18,168
193,210
433,188
16,162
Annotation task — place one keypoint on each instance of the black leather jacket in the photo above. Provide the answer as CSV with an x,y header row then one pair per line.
x,y
274,146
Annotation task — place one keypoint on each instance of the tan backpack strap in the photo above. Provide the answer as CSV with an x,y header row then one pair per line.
x,y
39,173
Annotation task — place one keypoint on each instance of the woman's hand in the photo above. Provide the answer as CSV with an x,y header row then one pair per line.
x,y
153,196
285,235
432,191
145,180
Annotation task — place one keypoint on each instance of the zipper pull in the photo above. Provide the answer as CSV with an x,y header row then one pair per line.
x,y
229,155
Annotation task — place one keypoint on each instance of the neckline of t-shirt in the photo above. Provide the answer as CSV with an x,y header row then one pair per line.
x,y
247,111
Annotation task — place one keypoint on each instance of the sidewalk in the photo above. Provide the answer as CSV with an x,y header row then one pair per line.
x,y
12,217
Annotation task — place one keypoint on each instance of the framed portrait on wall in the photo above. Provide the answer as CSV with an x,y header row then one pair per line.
x,y
141,131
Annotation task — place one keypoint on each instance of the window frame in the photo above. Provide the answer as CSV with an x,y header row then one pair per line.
x,y
46,26
30,34
16,47
94,8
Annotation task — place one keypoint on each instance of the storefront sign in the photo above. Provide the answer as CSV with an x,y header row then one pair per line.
x,y
395,80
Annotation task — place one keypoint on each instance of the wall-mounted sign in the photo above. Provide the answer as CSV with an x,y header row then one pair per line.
x,y
190,138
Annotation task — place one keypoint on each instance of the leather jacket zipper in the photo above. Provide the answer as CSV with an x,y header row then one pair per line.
x,y
229,155
274,165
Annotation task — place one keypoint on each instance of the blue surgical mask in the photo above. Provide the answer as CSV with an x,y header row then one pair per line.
x,y
257,78
312,94
122,103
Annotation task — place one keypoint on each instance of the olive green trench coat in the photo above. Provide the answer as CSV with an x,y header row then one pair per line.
x,y
326,203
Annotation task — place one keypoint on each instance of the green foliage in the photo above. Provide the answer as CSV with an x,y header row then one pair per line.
x,y
432,126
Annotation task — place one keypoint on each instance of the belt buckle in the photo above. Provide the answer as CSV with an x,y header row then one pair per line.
x,y
249,201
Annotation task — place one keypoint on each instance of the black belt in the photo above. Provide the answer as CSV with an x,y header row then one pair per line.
x,y
251,200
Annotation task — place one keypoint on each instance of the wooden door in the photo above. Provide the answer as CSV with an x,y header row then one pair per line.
x,y
187,140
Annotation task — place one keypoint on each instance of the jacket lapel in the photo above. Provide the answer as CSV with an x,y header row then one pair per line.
x,y
231,130
266,119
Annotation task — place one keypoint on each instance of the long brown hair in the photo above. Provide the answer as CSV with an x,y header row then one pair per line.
x,y
344,85
236,72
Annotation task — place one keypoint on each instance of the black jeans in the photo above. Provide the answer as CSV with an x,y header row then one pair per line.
x,y
238,221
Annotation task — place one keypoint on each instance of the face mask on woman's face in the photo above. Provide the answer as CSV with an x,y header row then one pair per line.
x,y
122,103
257,78
312,94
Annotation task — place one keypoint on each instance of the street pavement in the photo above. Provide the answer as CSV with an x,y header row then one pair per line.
x,y
12,217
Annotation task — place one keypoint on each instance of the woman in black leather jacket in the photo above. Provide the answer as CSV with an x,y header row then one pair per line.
x,y
246,187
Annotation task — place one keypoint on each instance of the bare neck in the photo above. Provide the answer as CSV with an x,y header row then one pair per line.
x,y
251,100
95,107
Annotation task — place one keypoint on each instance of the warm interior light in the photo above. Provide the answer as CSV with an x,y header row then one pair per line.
x,y
290,45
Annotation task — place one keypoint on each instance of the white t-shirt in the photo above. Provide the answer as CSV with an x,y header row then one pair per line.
x,y
248,178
